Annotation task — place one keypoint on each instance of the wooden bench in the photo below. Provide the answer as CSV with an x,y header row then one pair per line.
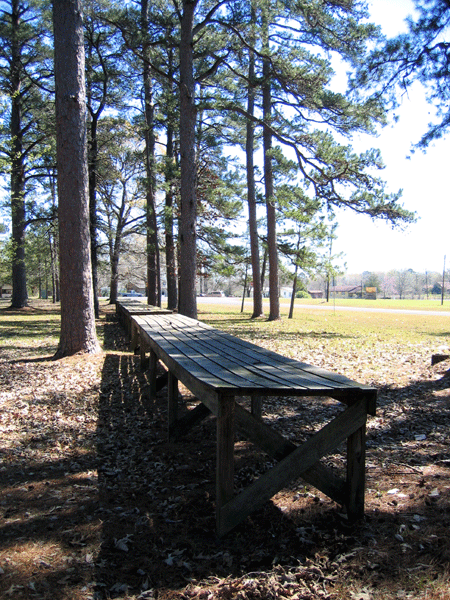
x,y
218,368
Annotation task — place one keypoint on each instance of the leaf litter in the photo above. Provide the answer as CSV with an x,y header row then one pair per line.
x,y
96,504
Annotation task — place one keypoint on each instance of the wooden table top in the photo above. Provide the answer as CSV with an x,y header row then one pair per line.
x,y
230,365
135,306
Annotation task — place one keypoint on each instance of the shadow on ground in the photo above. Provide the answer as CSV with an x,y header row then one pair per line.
x,y
157,500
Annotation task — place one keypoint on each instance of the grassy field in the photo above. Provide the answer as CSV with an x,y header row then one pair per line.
x,y
311,328
407,304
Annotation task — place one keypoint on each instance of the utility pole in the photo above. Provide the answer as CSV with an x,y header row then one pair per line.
x,y
443,283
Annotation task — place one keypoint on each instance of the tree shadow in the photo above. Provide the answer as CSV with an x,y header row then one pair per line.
x,y
148,505
238,328
114,337
36,359
31,308
157,503
41,508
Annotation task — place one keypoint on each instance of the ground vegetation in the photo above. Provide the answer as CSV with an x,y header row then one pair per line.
x,y
96,504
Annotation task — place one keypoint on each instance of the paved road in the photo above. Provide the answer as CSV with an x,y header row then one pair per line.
x,y
329,306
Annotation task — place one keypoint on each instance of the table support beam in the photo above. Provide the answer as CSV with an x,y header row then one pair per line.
x,y
356,476
297,462
225,455
172,404
153,362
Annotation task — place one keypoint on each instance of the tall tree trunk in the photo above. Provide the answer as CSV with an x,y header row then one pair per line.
x,y
114,281
18,215
51,245
251,193
171,271
116,246
151,225
274,297
93,218
294,282
187,226
153,281
53,238
78,332
264,267
294,291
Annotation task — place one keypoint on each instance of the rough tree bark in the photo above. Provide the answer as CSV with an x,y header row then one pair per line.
x,y
153,273
77,306
187,304
19,278
171,269
274,299
169,176
92,177
251,194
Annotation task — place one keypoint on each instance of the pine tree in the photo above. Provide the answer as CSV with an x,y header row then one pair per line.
x,y
24,124
422,54
121,192
77,306
302,115
105,89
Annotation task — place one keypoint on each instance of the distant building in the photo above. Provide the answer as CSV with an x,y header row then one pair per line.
x,y
316,293
137,287
5,290
353,291
346,291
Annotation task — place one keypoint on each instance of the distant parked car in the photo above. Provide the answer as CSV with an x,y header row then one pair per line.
x,y
217,294
132,293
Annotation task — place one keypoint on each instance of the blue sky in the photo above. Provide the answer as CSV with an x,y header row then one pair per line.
x,y
372,246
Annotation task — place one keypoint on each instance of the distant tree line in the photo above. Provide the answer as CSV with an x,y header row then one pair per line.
x,y
402,284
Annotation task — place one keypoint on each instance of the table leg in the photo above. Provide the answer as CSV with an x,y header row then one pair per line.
x,y
152,375
134,338
256,403
356,473
172,408
225,454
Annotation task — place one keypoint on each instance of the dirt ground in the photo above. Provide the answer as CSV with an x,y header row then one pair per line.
x,y
96,504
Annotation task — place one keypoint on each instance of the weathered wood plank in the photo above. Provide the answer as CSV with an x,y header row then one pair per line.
x,y
238,345
217,367
230,372
356,476
134,345
172,404
237,373
257,404
225,454
143,348
180,363
153,362
292,467
214,349
203,388
126,308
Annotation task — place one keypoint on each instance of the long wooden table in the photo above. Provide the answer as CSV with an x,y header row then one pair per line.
x,y
218,368
127,307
